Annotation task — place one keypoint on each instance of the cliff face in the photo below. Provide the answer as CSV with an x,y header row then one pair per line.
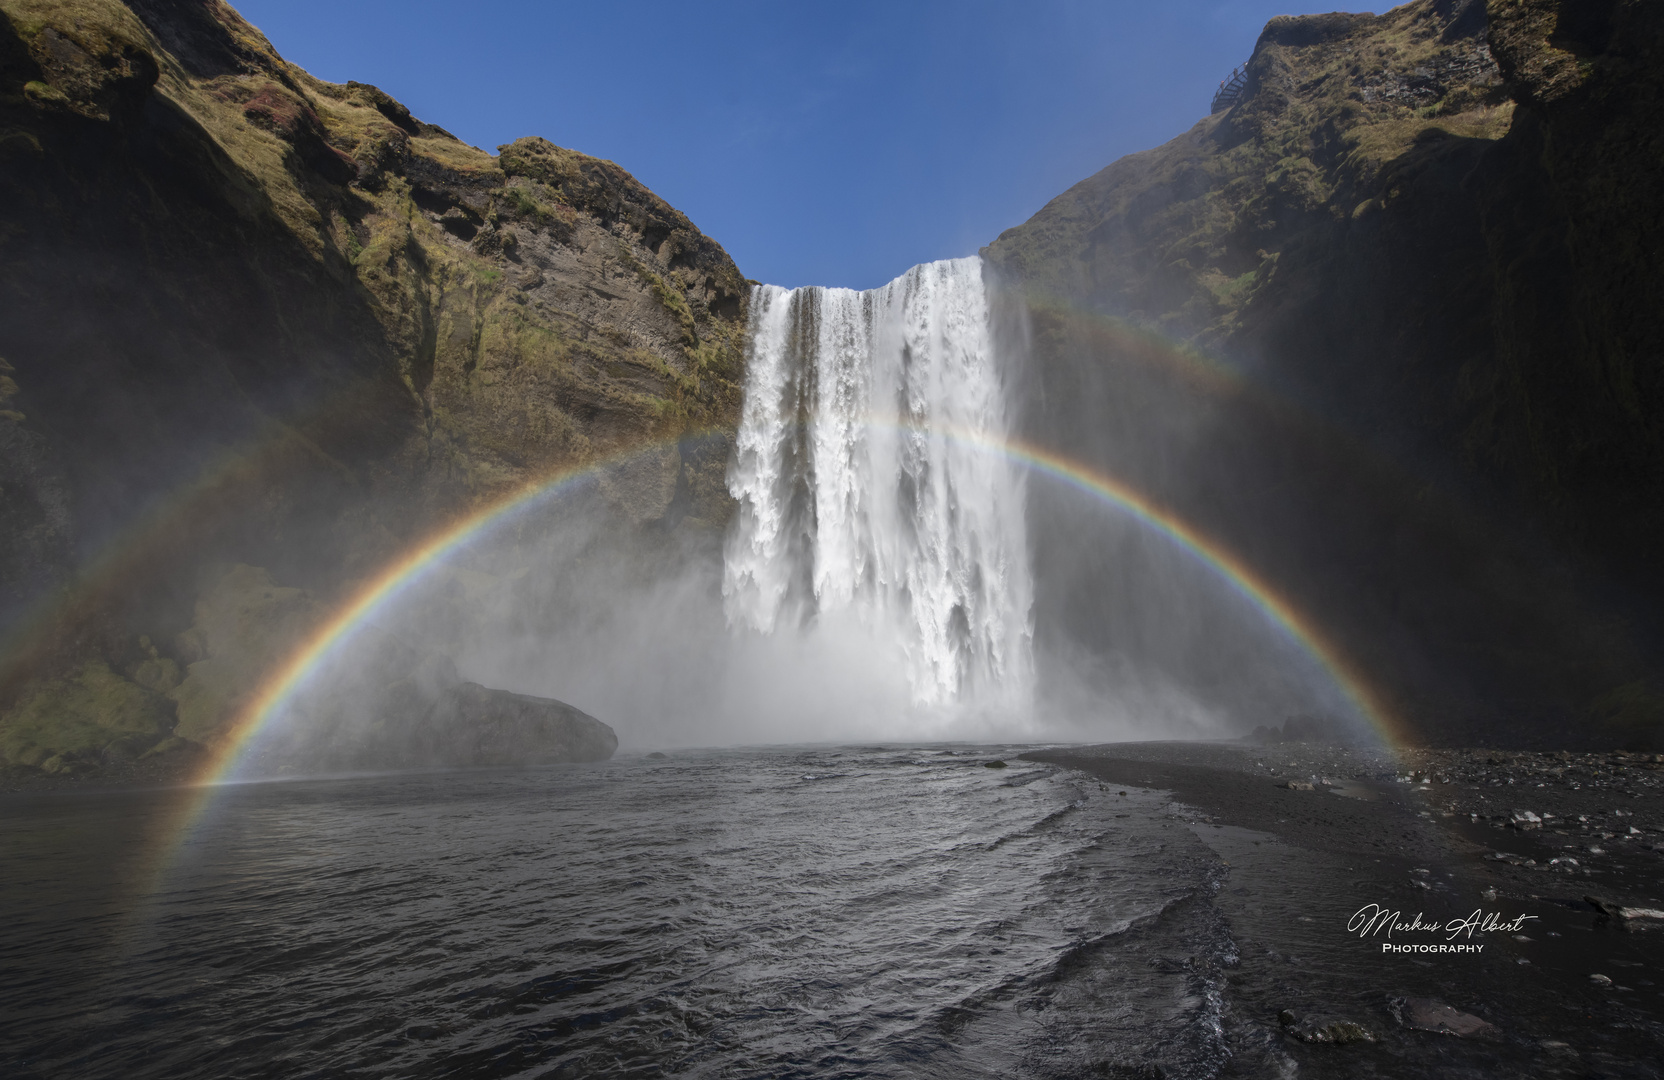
x,y
1392,327
250,316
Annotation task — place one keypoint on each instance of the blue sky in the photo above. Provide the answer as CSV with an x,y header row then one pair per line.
x,y
820,144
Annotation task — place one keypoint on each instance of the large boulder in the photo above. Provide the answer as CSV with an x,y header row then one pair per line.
x,y
472,724
387,706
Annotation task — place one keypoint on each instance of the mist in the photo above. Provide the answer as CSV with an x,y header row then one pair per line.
x,y
878,581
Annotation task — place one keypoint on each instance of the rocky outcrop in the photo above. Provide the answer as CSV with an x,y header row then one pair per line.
x,y
254,317
475,725
389,707
1389,328
74,722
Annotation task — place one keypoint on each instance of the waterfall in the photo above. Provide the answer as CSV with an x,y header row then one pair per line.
x,y
870,480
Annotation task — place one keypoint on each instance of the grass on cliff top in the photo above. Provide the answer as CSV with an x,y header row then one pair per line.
x,y
1212,208
79,19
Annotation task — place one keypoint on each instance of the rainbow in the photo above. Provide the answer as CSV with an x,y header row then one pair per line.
x,y
1369,703
274,693
281,684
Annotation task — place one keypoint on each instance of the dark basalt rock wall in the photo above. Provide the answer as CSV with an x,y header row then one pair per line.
x,y
1392,329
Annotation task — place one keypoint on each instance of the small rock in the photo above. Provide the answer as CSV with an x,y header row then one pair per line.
x,y
1600,980
1605,907
173,744
656,756
1327,1029
1613,910
993,765
1430,1014
1525,819
130,747
1296,785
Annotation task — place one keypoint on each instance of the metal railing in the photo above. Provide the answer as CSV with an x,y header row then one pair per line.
x,y
1230,90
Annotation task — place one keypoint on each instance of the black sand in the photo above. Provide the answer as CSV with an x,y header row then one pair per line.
x,y
1309,996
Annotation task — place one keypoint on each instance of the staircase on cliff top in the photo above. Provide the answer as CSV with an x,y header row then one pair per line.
x,y
1230,90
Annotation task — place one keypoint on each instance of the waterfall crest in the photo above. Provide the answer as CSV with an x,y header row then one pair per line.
x,y
869,480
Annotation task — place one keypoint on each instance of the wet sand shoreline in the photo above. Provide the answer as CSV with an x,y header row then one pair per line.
x,y
1309,994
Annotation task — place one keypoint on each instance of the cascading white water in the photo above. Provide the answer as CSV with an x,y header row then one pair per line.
x,y
870,482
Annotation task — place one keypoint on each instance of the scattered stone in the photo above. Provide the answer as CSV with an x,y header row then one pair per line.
x,y
1430,1014
130,747
173,744
1324,1029
1317,730
1525,819
1612,910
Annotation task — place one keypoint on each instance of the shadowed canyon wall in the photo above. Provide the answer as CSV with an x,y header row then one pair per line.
x,y
1392,328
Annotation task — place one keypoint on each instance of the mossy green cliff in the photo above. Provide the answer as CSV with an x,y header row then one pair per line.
x,y
253,317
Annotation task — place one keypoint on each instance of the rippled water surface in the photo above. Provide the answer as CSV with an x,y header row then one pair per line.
x,y
798,912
